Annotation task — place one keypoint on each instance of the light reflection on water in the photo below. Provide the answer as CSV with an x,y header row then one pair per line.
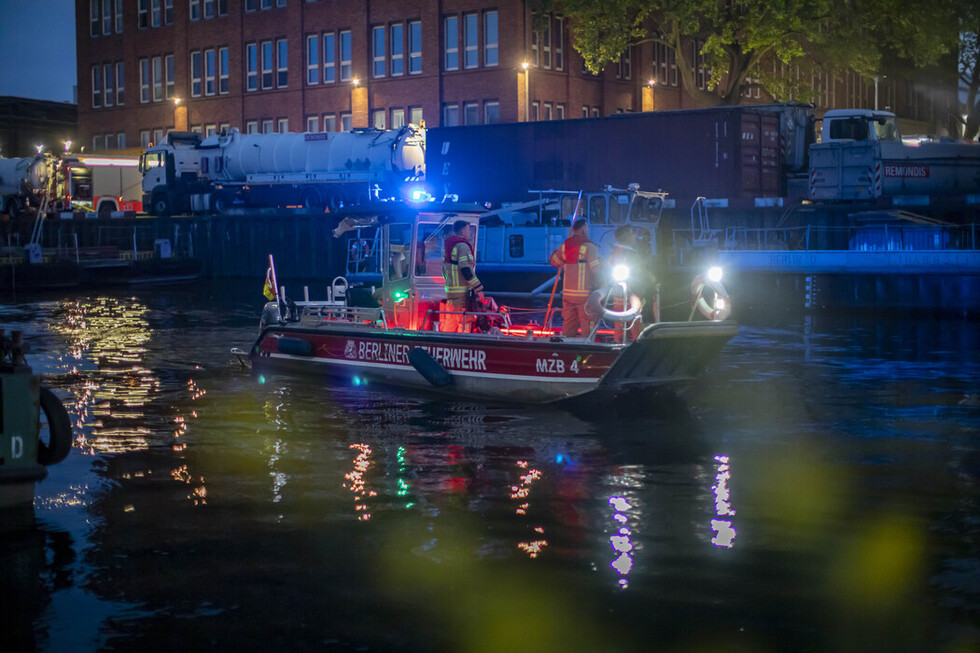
x,y
200,502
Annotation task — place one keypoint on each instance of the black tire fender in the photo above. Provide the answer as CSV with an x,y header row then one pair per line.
x,y
59,425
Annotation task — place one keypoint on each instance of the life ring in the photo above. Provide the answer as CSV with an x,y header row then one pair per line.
x,y
59,427
596,305
715,313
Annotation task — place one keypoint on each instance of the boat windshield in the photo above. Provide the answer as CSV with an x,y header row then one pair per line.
x,y
646,209
429,252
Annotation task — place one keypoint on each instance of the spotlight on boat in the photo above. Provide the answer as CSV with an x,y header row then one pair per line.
x,y
419,195
621,273
714,274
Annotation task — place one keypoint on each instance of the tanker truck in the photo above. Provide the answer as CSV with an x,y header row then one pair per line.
x,y
316,170
22,182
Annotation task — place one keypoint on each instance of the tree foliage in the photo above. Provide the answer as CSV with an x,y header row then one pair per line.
x,y
739,36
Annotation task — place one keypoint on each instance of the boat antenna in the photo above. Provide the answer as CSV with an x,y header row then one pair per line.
x,y
548,314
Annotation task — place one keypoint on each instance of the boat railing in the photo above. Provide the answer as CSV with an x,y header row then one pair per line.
x,y
433,317
865,237
322,313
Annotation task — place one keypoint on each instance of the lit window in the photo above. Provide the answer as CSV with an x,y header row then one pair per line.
x,y
397,118
452,43
378,118
416,115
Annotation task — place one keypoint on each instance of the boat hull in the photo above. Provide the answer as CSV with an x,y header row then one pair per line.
x,y
493,367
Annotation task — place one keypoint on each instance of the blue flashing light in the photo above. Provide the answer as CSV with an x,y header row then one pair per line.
x,y
261,378
419,195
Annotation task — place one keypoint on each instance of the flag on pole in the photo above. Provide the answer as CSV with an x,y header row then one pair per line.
x,y
269,290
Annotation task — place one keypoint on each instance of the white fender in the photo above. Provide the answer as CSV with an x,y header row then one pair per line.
x,y
698,301
596,305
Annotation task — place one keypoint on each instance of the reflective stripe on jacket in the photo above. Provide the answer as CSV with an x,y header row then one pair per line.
x,y
580,258
459,255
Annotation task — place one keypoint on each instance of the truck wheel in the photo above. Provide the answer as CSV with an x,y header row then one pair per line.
x,y
106,209
220,202
336,200
311,199
13,208
161,206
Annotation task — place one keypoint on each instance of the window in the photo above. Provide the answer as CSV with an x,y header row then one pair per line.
x,y
120,85
268,127
223,83
559,111
266,4
250,6
547,110
535,48
195,9
107,17
450,115
415,115
224,128
397,50
119,24
196,75
282,70
345,57
157,79
110,141
415,47
156,13
144,138
267,64
595,112
490,53
197,129
346,122
312,123
535,111
157,135
701,74
283,125
209,72
209,8
329,122
251,67
96,86
222,7
452,43
625,68
121,140
142,19
471,113
397,118
559,43
144,80
97,143
312,59
171,79
546,46
471,39
329,58
378,118
251,127
378,51
210,130
491,112
93,9
168,12
585,112
109,93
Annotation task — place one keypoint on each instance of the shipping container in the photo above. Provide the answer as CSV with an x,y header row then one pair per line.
x,y
730,152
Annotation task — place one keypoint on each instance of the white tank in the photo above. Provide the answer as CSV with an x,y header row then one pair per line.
x,y
366,151
15,172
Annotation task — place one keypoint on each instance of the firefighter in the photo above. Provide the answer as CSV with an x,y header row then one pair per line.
x,y
459,270
580,258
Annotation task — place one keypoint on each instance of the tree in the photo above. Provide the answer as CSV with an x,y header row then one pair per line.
x,y
739,35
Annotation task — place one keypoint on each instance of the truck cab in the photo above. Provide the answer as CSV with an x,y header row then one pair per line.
x,y
171,171
840,125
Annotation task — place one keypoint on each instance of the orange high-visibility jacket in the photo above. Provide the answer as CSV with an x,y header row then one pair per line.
x,y
580,258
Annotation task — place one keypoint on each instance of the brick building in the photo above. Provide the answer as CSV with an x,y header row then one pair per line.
x,y
147,66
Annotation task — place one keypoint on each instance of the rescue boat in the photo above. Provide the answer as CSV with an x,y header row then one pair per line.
x,y
506,353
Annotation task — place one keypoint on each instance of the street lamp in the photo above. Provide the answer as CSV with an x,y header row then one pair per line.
x,y
356,82
653,94
527,91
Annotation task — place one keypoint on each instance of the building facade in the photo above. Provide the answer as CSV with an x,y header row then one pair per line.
x,y
149,66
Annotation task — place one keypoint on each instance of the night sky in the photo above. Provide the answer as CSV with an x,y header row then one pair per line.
x,y
37,49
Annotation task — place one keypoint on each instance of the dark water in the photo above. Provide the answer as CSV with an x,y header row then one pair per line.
x,y
818,491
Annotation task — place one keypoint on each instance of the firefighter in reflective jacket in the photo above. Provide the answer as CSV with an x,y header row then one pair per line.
x,y
580,258
459,270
